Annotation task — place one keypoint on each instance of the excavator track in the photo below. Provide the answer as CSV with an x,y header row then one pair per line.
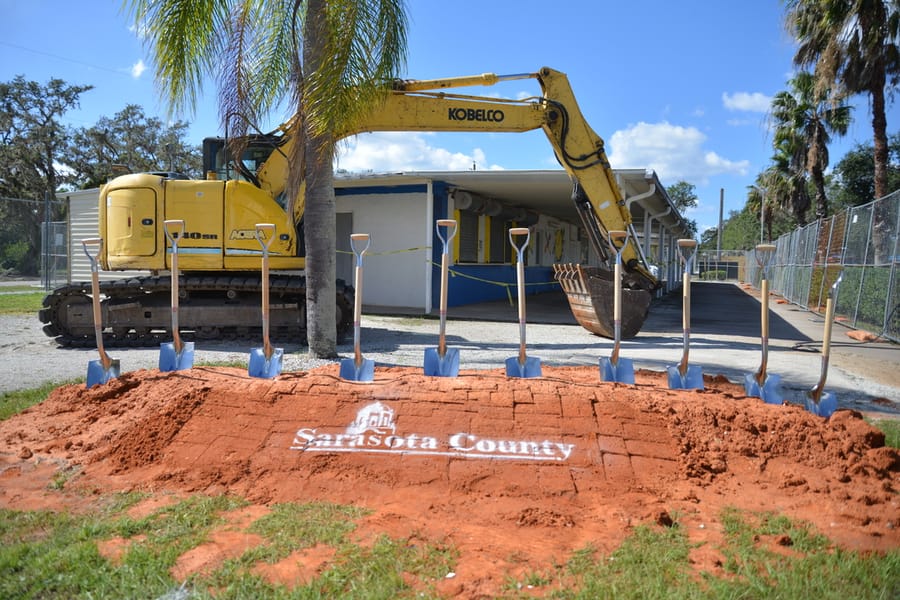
x,y
214,306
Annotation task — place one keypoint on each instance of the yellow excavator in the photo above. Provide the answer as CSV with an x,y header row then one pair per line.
x,y
219,255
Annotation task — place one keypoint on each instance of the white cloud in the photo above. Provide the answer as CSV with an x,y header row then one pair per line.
x,y
744,101
137,69
674,152
402,151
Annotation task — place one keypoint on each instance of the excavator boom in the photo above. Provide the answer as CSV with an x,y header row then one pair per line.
x,y
425,105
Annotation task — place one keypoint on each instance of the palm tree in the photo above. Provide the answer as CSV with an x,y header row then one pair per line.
x,y
326,59
853,45
804,119
761,202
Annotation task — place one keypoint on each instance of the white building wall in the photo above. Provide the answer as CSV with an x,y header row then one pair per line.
x,y
396,267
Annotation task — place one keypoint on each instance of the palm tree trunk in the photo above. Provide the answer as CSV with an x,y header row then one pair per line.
x,y
880,141
321,332
320,220
821,199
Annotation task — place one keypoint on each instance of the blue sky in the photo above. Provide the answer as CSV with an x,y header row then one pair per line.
x,y
682,87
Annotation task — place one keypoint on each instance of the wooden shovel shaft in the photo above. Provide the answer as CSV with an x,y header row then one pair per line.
x,y
816,392
105,360
764,331
520,284
265,233
685,321
357,301
685,245
617,311
442,338
764,255
169,226
617,293
450,224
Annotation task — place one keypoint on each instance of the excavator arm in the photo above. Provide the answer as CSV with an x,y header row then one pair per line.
x,y
423,105
433,105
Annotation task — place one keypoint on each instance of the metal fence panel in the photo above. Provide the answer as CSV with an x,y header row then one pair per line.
x,y
55,254
861,244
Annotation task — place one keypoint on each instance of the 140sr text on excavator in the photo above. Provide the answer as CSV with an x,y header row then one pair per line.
x,y
219,256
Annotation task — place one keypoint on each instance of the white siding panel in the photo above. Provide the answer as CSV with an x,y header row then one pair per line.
x,y
83,224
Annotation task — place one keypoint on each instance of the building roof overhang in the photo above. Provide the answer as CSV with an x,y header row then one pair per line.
x,y
547,191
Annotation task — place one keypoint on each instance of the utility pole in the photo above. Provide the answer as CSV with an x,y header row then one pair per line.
x,y
719,235
762,218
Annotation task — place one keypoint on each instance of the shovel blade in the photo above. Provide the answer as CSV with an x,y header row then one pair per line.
x,y
770,392
96,374
691,380
530,368
825,406
364,372
172,360
441,366
620,372
265,368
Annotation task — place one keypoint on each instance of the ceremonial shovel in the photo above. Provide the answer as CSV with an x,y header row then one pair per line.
x,y
358,368
443,361
106,368
818,401
175,355
265,362
684,376
759,384
614,368
522,365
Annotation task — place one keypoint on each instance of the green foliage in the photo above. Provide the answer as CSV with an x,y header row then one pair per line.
x,y
55,555
131,140
652,563
740,231
21,303
805,117
852,48
684,196
13,256
853,180
715,275
811,568
14,402
891,430
291,527
32,146
861,293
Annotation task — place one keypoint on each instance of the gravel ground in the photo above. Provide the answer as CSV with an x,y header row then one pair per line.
x,y
29,358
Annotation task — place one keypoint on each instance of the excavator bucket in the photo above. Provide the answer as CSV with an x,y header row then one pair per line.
x,y
591,294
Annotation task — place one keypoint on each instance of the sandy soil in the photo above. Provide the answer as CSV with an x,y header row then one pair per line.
x,y
515,473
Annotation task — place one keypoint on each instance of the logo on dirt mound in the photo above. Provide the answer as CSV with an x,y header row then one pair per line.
x,y
377,418
375,431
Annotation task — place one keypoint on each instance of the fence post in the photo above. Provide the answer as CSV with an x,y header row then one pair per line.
x,y
888,296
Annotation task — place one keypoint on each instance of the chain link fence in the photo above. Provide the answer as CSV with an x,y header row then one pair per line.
x,y
54,254
861,246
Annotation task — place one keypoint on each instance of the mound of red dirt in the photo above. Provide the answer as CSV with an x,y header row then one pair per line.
x,y
526,468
